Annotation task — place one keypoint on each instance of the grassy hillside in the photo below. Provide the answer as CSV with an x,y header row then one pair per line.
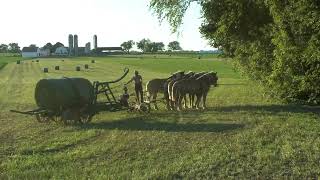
x,y
242,134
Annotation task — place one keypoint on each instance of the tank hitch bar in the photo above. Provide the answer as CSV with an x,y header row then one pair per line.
x,y
33,112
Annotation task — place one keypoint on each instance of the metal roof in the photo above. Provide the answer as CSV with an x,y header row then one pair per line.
x,y
30,49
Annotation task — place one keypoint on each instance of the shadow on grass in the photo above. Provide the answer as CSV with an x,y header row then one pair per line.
x,y
253,109
141,124
236,84
269,108
59,148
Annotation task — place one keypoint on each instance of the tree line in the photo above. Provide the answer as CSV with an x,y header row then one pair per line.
x,y
52,47
274,42
146,45
15,48
10,48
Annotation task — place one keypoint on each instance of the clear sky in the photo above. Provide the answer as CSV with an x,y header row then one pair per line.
x,y
114,21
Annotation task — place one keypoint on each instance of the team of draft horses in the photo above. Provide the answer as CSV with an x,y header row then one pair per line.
x,y
176,88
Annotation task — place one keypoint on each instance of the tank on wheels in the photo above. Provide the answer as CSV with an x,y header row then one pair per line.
x,y
66,99
72,99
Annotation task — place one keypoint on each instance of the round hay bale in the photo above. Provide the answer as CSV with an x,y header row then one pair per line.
x,y
57,68
37,60
18,62
86,66
78,68
93,61
45,70
62,60
52,94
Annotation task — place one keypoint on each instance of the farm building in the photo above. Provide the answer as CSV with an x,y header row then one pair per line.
x,y
108,50
61,51
44,52
30,52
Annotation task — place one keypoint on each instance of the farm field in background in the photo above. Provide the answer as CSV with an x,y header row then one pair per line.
x,y
242,133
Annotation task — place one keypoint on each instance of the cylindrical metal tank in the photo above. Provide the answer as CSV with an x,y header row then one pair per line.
x,y
76,51
57,94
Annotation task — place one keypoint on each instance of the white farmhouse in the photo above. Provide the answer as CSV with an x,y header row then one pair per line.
x,y
61,51
30,52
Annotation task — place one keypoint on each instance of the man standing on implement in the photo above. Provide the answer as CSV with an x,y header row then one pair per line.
x,y
137,85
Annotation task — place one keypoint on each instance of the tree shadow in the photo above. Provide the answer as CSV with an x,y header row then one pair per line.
x,y
144,124
269,108
272,109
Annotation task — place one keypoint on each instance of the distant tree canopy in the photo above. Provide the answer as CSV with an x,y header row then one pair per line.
x,y
157,46
14,48
33,45
174,45
274,42
146,45
48,46
56,45
4,48
127,45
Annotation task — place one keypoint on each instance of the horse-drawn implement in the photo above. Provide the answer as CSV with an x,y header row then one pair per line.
x,y
73,99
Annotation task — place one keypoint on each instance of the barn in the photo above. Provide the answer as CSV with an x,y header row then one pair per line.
x,y
61,51
30,52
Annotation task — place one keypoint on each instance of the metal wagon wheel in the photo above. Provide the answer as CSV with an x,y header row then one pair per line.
x,y
85,118
146,107
86,114
43,117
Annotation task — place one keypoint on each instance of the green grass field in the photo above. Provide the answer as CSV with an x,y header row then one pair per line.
x,y
4,59
243,134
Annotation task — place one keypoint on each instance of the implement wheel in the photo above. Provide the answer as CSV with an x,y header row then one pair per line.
x,y
42,118
85,118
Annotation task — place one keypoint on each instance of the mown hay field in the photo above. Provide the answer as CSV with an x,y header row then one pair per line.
x,y
242,134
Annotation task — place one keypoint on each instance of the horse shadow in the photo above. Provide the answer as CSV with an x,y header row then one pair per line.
x,y
170,121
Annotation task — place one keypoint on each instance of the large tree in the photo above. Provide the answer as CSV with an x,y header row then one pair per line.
x,y
174,45
33,46
48,46
56,45
157,46
144,45
274,42
14,48
127,45
3,48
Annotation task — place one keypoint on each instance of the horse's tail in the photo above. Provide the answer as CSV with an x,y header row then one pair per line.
x,y
174,92
169,91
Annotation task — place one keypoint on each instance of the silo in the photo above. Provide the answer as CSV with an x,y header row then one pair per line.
x,y
75,38
95,42
70,45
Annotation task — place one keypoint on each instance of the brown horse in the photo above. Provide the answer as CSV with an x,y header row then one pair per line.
x,y
193,86
156,86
